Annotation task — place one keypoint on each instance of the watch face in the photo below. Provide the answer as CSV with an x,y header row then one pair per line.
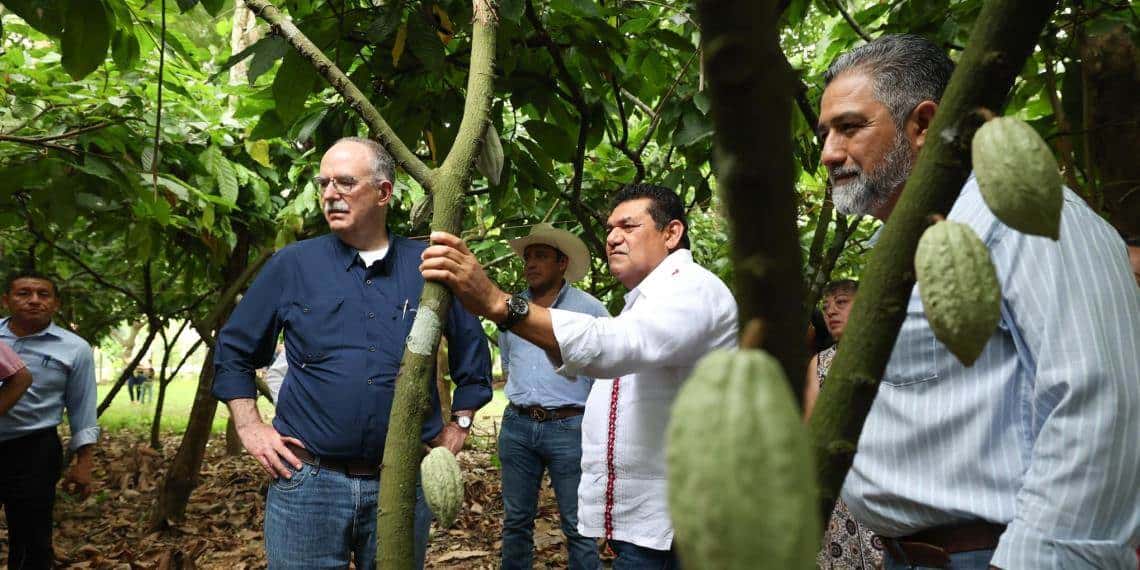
x,y
463,421
518,305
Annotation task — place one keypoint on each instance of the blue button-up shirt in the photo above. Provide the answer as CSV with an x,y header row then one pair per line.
x,y
63,375
345,327
531,379
1042,432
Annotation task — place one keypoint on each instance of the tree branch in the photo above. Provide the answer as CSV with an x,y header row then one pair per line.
x,y
661,103
838,5
400,152
78,261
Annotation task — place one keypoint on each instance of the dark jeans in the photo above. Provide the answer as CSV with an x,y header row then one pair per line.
x,y
973,560
321,518
31,469
526,448
633,557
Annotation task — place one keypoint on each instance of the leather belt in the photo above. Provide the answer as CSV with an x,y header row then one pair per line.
x,y
541,414
933,547
350,467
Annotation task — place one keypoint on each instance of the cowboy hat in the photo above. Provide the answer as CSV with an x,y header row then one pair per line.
x,y
562,240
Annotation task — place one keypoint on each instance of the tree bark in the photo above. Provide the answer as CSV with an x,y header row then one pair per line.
x,y
752,89
1003,37
402,447
182,477
1111,63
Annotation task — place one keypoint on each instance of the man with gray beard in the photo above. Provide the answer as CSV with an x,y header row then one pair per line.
x,y
1027,459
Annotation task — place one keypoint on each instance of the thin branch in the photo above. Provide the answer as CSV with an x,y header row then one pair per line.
x,y
623,144
838,4
642,105
156,156
32,141
75,258
661,104
400,152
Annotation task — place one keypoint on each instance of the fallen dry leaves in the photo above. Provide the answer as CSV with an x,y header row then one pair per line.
x,y
108,531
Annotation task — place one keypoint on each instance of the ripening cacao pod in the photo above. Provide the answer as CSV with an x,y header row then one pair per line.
x,y
443,484
959,288
741,482
1018,176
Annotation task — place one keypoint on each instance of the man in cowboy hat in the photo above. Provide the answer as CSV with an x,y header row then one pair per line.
x,y
542,426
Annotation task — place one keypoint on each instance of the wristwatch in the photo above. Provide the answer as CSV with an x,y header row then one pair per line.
x,y
463,421
517,309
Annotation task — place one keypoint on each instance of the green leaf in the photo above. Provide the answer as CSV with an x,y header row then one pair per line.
x,y
512,10
554,140
44,15
385,23
258,150
268,126
86,37
213,6
125,50
184,5
581,8
424,43
217,164
266,52
694,127
292,85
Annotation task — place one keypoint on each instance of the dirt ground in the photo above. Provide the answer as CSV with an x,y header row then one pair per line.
x,y
223,523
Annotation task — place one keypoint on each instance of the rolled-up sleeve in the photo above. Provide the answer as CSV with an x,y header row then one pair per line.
x,y
469,360
81,397
249,337
1078,313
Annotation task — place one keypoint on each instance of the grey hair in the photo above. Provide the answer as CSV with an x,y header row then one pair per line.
x,y
383,167
906,70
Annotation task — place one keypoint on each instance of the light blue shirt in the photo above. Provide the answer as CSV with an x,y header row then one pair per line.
x,y
63,375
1042,433
531,379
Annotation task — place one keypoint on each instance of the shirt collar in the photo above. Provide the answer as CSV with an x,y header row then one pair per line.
x,y
557,298
51,330
659,278
346,255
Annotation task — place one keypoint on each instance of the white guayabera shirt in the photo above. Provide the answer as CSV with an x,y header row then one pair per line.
x,y
676,315
1042,433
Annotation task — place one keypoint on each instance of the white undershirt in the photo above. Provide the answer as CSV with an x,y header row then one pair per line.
x,y
372,256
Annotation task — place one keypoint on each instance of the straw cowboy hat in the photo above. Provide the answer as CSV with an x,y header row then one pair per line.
x,y
561,240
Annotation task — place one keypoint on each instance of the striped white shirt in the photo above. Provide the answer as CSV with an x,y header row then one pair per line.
x,y
1043,432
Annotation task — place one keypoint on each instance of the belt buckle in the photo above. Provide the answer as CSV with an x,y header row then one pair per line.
x,y
538,414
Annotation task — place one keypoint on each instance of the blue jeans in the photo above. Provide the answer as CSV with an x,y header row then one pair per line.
x,y
526,448
633,557
321,518
973,560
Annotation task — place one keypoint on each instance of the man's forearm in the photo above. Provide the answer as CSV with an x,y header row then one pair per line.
x,y
84,454
244,411
538,329
13,388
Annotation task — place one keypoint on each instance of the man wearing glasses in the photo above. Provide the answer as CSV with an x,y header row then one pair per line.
x,y
345,302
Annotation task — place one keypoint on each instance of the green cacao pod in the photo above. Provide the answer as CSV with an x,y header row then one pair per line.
x,y
1018,176
959,288
741,482
443,484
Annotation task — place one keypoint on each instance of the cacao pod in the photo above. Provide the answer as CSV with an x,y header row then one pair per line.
x,y
1018,176
959,288
443,485
741,482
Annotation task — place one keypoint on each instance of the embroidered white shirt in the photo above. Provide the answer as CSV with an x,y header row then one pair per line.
x,y
676,315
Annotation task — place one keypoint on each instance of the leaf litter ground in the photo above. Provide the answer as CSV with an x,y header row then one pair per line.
x,y
223,527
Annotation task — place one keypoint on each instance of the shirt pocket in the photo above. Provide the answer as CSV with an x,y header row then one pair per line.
x,y
915,355
317,326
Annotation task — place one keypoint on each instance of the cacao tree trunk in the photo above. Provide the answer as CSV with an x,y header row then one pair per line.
x,y
751,89
1111,67
1003,37
182,477
156,421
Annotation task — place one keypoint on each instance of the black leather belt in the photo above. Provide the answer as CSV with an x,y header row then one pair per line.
x,y
351,467
933,547
541,414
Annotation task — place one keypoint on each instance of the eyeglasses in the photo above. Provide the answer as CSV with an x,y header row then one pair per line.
x,y
344,185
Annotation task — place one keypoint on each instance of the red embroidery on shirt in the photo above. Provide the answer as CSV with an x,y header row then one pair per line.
x,y
610,474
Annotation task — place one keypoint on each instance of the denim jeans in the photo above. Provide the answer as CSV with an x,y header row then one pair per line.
x,y
973,560
526,448
321,518
633,557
